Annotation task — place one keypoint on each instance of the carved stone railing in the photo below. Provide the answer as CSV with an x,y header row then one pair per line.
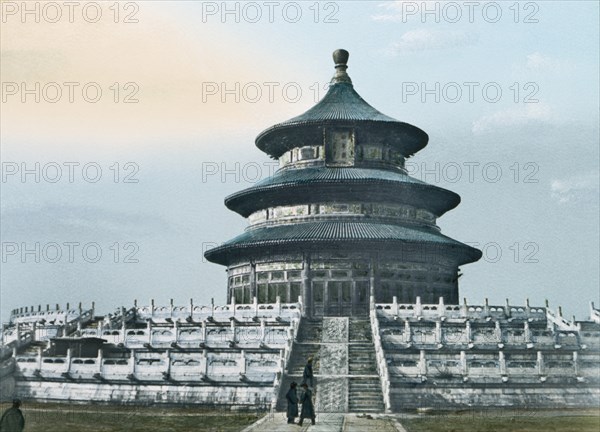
x,y
559,322
287,352
441,311
197,313
594,313
382,368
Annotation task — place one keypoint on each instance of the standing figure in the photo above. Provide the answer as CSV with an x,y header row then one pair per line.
x,y
12,420
292,403
307,375
308,409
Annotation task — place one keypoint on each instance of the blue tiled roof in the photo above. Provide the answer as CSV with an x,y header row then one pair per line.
x,y
331,232
334,175
342,105
436,199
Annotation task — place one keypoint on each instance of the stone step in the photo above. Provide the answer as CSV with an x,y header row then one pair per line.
x,y
364,395
368,388
365,398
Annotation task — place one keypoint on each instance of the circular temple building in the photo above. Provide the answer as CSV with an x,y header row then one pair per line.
x,y
341,220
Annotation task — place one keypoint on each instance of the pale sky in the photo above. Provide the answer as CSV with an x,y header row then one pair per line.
x,y
508,93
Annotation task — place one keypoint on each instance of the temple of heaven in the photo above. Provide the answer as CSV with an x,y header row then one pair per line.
x,y
341,220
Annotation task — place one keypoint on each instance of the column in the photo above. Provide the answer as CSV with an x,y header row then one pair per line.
x,y
374,276
253,292
307,310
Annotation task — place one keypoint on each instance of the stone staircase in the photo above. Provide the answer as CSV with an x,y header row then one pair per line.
x,y
347,381
364,391
307,344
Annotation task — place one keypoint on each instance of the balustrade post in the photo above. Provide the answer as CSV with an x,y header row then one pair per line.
x,y
233,331
99,360
205,362
418,307
468,331
100,328
262,330
464,310
132,362
68,362
168,361
502,362
463,363
39,358
540,363
242,363
422,363
527,332
407,331
149,330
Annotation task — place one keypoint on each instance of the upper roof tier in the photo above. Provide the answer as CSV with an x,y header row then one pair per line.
x,y
341,106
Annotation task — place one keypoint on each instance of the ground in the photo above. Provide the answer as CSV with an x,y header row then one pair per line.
x,y
497,420
60,417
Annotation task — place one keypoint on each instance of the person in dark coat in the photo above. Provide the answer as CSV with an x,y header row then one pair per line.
x,y
12,420
308,409
307,375
292,403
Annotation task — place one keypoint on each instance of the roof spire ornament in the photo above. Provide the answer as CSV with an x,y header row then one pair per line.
x,y
340,58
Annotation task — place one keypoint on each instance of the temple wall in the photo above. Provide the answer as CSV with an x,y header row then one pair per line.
x,y
252,397
462,396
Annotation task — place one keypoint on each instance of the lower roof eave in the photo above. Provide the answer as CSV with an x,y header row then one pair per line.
x,y
229,254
